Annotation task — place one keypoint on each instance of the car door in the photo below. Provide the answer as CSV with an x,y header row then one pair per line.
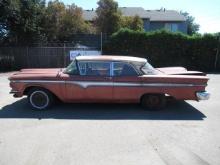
x,y
73,91
89,81
126,81
96,80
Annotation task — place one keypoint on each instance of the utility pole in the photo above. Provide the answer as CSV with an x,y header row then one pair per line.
x,y
27,57
101,43
64,56
217,53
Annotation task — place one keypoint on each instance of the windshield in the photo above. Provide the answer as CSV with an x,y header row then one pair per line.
x,y
149,69
71,68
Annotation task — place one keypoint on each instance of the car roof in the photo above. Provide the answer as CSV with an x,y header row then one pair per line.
x,y
111,58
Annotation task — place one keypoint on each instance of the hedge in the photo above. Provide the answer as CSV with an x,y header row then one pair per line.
x,y
163,48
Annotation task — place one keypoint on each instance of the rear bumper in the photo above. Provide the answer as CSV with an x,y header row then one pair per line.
x,y
202,95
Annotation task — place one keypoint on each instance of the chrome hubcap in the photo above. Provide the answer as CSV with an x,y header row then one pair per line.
x,y
39,99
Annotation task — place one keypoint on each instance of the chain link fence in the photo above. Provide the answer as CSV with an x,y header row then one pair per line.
x,y
48,55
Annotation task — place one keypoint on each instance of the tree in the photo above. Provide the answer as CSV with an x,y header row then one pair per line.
x,y
137,23
192,27
52,19
20,20
108,17
61,21
28,21
72,22
133,23
9,14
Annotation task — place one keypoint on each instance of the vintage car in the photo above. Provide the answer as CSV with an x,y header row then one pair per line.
x,y
109,79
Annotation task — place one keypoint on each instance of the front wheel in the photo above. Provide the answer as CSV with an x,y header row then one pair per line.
x,y
40,99
153,101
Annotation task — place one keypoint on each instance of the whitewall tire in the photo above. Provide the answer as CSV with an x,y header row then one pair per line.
x,y
40,99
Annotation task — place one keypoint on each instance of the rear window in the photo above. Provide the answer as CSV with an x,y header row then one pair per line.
x,y
123,69
149,70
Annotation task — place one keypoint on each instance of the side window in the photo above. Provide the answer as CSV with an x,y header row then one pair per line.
x,y
123,69
93,68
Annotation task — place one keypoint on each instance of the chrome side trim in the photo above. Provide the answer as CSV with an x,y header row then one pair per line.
x,y
86,84
156,84
37,81
175,85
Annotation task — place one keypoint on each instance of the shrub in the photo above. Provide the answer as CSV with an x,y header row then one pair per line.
x,y
163,48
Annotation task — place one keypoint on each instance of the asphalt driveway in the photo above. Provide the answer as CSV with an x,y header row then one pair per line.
x,y
183,133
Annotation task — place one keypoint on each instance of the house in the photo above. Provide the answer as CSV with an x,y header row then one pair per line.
x,y
153,19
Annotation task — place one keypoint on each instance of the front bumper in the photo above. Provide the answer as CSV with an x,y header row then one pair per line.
x,y
16,93
202,95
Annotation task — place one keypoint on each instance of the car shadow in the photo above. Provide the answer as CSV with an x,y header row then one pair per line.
x,y
181,110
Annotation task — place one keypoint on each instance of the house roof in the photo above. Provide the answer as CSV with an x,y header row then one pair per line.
x,y
133,11
165,15
89,15
152,15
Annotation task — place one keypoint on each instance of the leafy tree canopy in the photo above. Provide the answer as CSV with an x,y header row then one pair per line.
x,y
133,23
108,17
62,21
28,21
20,20
192,27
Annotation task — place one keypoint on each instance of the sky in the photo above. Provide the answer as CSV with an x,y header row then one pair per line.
x,y
206,12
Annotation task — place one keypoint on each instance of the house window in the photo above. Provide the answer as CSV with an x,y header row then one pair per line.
x,y
173,27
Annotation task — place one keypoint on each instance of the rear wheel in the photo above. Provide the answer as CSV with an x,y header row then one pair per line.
x,y
153,101
40,99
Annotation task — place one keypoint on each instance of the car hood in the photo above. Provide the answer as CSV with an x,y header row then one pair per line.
x,y
178,71
37,71
47,73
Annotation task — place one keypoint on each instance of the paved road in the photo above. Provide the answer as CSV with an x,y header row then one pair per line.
x,y
184,133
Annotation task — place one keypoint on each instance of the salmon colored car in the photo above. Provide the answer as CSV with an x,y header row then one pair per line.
x,y
109,79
